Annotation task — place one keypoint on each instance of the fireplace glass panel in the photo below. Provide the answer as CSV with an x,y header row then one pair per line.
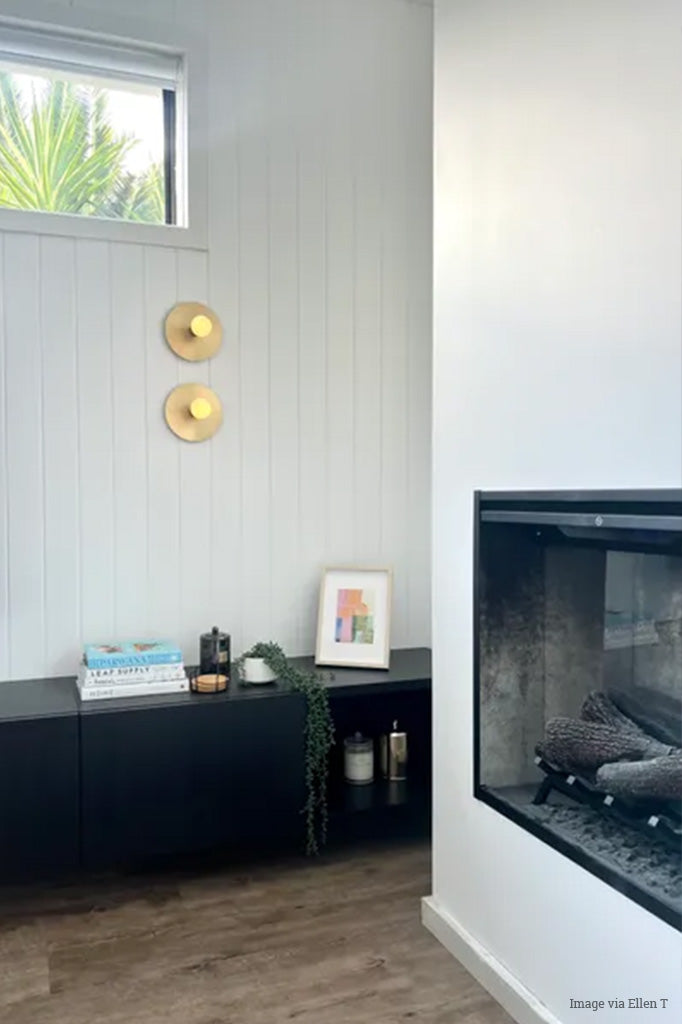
x,y
579,693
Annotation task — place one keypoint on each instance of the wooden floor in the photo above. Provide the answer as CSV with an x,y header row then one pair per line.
x,y
328,942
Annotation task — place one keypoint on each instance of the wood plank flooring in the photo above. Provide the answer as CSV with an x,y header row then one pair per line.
x,y
333,941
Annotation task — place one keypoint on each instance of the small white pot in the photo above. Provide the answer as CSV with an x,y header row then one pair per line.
x,y
256,671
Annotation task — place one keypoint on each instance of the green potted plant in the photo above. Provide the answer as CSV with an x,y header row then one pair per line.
x,y
319,728
253,668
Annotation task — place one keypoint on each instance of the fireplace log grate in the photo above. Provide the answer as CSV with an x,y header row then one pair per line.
x,y
657,820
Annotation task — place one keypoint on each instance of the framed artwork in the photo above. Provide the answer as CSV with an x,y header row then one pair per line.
x,y
354,618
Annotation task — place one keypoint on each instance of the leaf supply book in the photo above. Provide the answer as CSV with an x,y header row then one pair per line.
x,y
132,652
129,674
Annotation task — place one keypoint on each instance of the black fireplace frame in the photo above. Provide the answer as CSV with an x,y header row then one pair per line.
x,y
662,503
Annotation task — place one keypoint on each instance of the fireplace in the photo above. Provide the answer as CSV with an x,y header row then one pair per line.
x,y
578,679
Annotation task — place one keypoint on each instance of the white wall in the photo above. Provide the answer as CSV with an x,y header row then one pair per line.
x,y
557,364
319,264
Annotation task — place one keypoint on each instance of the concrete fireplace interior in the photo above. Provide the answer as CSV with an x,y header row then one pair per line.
x,y
578,675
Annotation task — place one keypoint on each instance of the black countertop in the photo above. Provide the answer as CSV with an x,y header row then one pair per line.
x,y
410,669
38,698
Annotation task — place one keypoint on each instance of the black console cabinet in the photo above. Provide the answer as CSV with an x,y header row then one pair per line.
x,y
189,774
39,804
113,783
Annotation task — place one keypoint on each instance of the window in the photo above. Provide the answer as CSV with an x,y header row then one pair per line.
x,y
89,129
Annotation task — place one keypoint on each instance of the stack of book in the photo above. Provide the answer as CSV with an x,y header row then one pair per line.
x,y
134,668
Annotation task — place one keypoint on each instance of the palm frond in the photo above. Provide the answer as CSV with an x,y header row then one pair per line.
x,y
59,152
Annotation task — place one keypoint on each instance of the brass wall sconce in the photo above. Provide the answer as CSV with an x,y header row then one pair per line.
x,y
193,331
193,412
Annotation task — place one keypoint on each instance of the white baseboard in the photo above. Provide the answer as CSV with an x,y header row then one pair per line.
x,y
517,1000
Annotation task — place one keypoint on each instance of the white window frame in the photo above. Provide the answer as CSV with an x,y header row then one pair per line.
x,y
44,44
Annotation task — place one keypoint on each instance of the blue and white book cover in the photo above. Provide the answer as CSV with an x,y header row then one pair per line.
x,y
132,652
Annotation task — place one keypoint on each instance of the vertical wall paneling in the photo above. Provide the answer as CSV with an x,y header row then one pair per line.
x,y
4,524
367,390
60,411
284,398
194,490
129,395
340,281
418,219
314,467
226,565
96,441
25,485
163,450
394,285
319,266
251,98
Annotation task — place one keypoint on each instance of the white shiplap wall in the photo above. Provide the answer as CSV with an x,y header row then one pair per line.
x,y
319,264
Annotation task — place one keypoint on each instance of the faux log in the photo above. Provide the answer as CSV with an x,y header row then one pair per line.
x,y
660,778
573,744
597,707
660,714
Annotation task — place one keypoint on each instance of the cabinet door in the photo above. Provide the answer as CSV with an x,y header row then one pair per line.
x,y
245,772
38,797
189,777
134,784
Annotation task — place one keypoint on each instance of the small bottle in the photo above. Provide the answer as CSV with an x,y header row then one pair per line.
x,y
394,755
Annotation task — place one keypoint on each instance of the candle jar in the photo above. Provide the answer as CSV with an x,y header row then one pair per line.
x,y
358,759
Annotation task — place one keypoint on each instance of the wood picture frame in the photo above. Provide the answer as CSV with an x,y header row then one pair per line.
x,y
354,617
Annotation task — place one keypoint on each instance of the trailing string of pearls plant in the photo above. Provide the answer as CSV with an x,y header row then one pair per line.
x,y
319,734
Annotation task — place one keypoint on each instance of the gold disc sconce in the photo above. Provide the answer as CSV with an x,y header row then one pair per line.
x,y
193,331
193,412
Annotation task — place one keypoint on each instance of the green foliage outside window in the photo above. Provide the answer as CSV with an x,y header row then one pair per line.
x,y
59,153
